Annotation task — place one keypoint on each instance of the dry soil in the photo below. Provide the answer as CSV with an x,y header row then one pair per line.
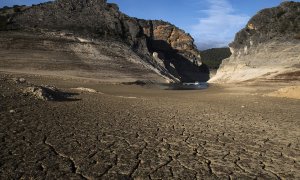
x,y
128,131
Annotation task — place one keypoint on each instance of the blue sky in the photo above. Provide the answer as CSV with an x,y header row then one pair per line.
x,y
212,23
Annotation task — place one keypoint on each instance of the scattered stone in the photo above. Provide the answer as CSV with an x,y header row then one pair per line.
x,y
19,80
12,111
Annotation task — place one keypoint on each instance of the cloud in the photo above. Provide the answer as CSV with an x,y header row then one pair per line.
x,y
219,26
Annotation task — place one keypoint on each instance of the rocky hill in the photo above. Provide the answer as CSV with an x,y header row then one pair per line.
x,y
100,38
267,48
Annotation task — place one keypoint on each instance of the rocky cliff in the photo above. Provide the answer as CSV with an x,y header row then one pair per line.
x,y
267,48
159,46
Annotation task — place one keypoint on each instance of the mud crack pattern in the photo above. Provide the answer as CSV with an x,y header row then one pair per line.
x,y
192,136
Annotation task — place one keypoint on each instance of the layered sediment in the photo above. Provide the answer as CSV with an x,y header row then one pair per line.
x,y
90,22
267,48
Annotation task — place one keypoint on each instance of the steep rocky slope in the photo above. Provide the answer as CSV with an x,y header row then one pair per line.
x,y
94,27
267,48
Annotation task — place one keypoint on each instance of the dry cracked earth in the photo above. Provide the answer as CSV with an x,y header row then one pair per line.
x,y
131,132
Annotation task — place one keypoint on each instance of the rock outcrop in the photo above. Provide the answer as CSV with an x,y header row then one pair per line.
x,y
93,21
44,93
267,48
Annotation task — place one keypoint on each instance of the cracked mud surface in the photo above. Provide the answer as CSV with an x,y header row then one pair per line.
x,y
208,134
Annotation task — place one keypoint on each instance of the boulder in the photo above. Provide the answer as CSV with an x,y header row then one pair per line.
x,y
46,93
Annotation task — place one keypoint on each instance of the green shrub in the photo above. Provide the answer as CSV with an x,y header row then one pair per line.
x,y
214,57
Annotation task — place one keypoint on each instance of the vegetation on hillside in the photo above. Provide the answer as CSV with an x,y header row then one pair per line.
x,y
214,57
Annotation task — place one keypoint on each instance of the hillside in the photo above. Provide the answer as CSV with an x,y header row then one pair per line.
x,y
214,57
94,35
266,49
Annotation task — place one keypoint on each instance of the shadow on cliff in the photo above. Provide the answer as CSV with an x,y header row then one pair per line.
x,y
185,70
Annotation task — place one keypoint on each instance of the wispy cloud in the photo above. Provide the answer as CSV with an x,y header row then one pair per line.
x,y
219,26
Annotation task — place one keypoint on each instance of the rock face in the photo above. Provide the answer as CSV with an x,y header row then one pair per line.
x,y
267,48
92,21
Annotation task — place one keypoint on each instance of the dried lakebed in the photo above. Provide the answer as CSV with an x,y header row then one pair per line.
x,y
128,132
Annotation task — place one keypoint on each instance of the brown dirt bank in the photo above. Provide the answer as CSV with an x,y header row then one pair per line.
x,y
288,92
217,133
